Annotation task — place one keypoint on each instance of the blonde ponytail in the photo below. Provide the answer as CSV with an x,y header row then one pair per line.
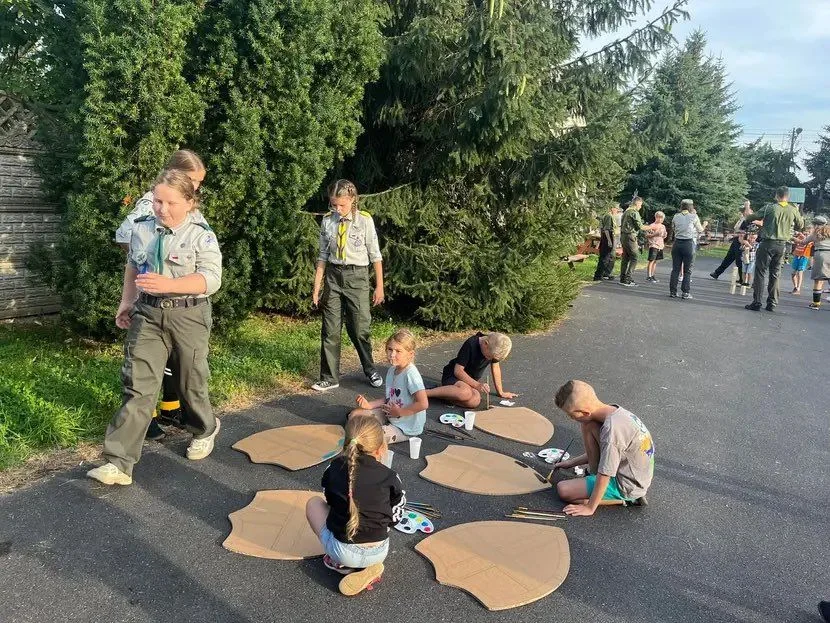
x,y
364,435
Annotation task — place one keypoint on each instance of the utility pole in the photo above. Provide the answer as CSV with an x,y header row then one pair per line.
x,y
795,132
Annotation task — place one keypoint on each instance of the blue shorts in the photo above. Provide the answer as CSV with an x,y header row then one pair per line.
x,y
612,492
800,263
749,268
351,554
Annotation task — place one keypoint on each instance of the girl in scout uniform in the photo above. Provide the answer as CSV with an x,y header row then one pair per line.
x,y
173,266
348,244
189,162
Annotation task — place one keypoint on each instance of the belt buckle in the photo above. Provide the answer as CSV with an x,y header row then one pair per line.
x,y
166,304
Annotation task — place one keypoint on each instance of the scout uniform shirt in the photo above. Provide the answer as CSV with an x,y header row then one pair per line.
x,y
143,207
607,223
631,223
778,221
190,248
350,240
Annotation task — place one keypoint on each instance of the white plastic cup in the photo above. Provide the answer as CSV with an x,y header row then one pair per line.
x,y
387,460
469,419
414,447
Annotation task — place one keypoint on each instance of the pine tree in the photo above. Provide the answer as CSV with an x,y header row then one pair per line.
x,y
690,101
487,141
818,165
766,169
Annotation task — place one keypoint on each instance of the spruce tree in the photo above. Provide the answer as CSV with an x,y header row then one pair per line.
x,y
817,164
690,101
766,169
487,141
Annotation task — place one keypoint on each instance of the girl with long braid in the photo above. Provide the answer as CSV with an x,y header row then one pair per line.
x,y
363,500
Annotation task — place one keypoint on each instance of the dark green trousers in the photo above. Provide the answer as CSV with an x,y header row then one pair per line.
x,y
768,258
346,296
153,335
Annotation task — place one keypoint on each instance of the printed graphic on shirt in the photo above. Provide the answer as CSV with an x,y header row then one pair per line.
x,y
646,444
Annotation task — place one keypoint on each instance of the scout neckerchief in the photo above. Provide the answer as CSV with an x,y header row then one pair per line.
x,y
161,233
341,237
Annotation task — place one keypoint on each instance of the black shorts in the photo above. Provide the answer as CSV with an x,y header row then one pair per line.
x,y
655,254
448,379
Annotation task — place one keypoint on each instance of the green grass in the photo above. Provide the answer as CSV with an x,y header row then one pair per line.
x,y
57,390
718,251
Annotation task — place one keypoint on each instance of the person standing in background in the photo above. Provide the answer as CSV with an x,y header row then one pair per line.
x,y
686,227
607,227
733,256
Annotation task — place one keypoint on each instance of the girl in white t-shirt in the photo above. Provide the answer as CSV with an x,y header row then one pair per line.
x,y
403,412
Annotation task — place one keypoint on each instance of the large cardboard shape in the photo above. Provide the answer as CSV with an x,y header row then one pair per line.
x,y
502,564
474,470
294,447
516,423
274,526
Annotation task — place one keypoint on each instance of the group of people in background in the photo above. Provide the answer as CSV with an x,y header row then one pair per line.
x,y
760,243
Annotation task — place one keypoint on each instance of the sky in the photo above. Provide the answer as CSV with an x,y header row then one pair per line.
x,y
776,54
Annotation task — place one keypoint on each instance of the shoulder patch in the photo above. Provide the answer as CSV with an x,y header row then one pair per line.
x,y
203,225
365,213
147,217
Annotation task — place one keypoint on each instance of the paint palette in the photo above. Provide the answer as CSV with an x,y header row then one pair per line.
x,y
413,522
553,455
453,419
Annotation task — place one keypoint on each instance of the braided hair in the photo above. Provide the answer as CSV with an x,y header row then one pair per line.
x,y
364,435
345,188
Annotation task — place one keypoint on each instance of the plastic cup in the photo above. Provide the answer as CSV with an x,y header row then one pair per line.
x,y
469,419
387,459
414,447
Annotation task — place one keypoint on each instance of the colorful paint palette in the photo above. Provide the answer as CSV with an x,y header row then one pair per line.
x,y
554,455
413,522
453,419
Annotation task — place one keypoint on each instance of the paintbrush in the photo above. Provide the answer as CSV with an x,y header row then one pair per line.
x,y
423,512
488,391
561,458
443,435
539,514
540,510
422,505
533,518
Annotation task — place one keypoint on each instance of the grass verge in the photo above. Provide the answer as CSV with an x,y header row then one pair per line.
x,y
58,391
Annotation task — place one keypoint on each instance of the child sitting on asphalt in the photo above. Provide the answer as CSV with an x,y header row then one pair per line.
x,y
656,241
364,499
403,412
460,381
619,452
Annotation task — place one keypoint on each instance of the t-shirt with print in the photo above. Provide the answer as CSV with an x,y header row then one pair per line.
x,y
656,238
400,390
470,358
626,452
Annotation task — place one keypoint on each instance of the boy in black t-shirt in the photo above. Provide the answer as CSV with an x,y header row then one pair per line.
x,y
460,381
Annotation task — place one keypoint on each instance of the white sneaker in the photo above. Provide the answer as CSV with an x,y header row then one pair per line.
x,y
201,448
324,386
109,474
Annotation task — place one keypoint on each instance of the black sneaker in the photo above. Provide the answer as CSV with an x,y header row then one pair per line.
x,y
673,295
770,308
628,284
824,610
609,278
753,307
686,296
655,280
375,379
713,276
643,501
155,432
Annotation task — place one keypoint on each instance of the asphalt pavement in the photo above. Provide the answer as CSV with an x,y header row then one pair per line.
x,y
738,526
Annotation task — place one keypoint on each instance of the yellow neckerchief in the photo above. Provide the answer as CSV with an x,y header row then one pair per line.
x,y
783,204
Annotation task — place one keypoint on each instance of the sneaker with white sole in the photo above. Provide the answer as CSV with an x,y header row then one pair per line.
x,y
324,386
109,474
201,448
359,581
329,563
375,379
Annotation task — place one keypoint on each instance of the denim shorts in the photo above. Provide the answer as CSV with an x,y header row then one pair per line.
x,y
352,554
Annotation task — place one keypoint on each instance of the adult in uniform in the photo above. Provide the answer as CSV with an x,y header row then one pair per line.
x,y
632,225
348,244
779,219
605,264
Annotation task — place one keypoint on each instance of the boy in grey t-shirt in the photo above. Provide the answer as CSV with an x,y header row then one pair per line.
x,y
619,452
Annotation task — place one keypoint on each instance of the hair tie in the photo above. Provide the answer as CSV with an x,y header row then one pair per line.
x,y
353,442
